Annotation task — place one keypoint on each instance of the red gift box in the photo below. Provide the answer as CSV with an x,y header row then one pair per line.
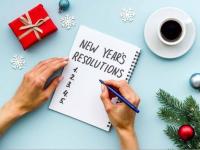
x,y
33,26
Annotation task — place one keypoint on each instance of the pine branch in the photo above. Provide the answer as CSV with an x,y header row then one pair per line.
x,y
177,113
193,115
192,109
171,116
171,132
169,101
191,103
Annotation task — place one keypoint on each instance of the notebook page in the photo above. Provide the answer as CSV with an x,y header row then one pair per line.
x,y
78,95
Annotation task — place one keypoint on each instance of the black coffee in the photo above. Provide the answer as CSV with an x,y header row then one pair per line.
x,y
171,30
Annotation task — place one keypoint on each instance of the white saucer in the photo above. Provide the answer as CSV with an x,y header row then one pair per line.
x,y
158,47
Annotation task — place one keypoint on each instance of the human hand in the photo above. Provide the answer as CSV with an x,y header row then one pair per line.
x,y
121,116
31,93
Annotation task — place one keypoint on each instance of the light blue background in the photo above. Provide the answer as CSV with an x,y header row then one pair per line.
x,y
45,129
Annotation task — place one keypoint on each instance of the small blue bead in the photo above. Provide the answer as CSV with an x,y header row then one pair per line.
x,y
63,5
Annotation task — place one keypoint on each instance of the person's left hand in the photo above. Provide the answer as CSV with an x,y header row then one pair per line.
x,y
31,93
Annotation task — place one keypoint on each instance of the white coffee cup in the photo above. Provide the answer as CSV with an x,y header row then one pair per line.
x,y
176,41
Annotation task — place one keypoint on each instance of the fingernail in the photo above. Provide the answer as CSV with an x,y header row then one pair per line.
x,y
60,78
66,58
102,88
65,62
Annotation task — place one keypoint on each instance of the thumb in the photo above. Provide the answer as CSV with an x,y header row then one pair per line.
x,y
105,98
53,85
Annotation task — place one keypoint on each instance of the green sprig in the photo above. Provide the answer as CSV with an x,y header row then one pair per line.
x,y
176,113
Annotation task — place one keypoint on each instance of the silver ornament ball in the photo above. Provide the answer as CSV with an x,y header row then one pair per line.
x,y
195,80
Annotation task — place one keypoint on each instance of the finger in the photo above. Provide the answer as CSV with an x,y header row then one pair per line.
x,y
43,64
136,101
52,67
132,96
49,91
113,83
121,85
105,98
50,64
126,91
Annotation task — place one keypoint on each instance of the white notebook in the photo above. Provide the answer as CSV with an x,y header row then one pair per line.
x,y
93,56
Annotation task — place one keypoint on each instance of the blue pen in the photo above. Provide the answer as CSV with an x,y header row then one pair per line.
x,y
123,99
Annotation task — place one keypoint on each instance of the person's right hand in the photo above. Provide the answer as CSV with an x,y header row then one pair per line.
x,y
121,116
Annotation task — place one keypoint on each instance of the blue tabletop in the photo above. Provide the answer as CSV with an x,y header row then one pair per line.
x,y
45,129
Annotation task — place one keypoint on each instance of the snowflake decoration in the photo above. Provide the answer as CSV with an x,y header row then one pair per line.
x,y
127,15
17,62
68,22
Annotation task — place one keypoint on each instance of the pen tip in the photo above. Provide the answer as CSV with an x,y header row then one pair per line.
x,y
101,81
